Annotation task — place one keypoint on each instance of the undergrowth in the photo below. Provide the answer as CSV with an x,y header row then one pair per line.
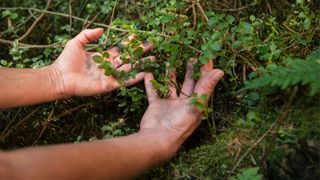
x,y
263,120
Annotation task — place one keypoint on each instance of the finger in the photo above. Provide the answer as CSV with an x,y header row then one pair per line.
x,y
125,67
149,58
139,77
147,46
128,67
189,83
173,82
151,92
126,42
206,68
207,83
117,62
113,52
87,35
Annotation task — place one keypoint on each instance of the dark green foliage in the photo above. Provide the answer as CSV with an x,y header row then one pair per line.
x,y
295,72
248,174
264,47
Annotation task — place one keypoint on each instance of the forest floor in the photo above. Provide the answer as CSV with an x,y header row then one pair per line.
x,y
265,119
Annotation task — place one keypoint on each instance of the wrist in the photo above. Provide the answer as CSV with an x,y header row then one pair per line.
x,y
56,82
168,143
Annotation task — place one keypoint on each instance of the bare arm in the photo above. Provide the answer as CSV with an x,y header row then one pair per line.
x,y
164,127
118,158
74,73
27,86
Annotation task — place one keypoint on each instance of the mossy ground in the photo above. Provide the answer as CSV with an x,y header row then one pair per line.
x,y
254,34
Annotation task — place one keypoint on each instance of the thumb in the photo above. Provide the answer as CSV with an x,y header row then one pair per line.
x,y
88,35
207,83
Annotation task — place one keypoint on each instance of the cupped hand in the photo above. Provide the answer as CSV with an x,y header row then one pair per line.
x,y
174,119
78,75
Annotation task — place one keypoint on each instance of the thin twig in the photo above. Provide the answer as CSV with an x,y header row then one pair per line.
x,y
9,124
194,14
281,118
84,20
32,15
32,46
233,9
70,17
288,28
92,20
203,13
35,22
17,25
110,23
84,26
69,111
3,137
137,8
62,15
44,127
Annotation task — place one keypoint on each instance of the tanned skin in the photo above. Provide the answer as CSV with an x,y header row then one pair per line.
x,y
164,127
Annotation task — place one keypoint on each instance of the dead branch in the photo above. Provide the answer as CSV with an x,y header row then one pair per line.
x,y
35,22
83,20
32,46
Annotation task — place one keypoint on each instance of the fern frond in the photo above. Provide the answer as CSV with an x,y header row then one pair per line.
x,y
294,72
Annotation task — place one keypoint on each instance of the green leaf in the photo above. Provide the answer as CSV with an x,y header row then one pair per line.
x,y
99,50
138,52
248,174
13,16
213,21
19,65
106,55
106,128
300,1
253,116
236,44
295,72
98,59
209,54
103,53
307,24
216,46
230,19
252,18
204,47
6,13
107,136
204,59
216,35
4,62
244,28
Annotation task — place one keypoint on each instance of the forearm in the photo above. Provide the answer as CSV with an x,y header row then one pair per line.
x,y
118,158
27,86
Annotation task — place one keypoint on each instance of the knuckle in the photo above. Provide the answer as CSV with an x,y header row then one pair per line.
x,y
206,85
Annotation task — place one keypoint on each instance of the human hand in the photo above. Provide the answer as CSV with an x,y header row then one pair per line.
x,y
174,119
78,75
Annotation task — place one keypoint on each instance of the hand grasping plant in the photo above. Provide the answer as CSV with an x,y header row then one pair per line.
x,y
79,75
175,118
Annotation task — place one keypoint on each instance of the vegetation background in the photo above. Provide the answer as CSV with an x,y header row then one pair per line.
x,y
264,119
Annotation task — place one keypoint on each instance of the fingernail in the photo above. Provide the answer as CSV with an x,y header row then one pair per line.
x,y
216,74
101,29
193,60
152,58
190,67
